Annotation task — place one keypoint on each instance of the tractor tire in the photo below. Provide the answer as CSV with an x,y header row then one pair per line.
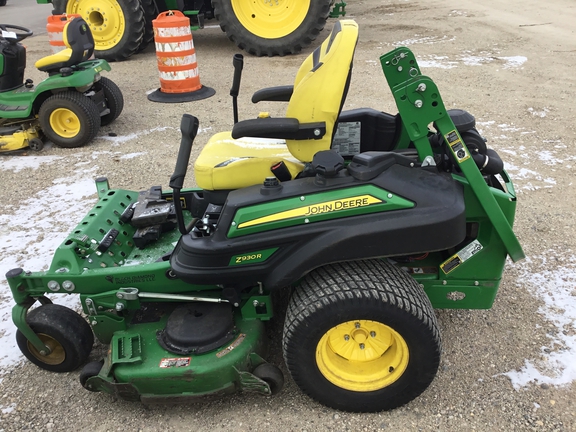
x,y
69,119
114,100
272,28
3,2
117,25
150,13
361,336
68,335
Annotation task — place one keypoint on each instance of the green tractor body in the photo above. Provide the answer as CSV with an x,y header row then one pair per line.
x,y
124,27
179,282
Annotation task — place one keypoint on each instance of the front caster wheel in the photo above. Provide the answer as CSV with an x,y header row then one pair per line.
x,y
271,375
36,144
361,336
66,333
91,369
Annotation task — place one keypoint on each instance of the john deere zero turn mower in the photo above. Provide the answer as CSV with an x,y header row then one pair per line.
x,y
372,220
69,106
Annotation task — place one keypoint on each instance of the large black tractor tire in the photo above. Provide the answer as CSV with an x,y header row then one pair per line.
x,y
150,12
66,333
272,28
117,25
114,100
3,2
361,336
69,119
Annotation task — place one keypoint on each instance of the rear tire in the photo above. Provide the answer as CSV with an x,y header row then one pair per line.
x,y
114,100
68,335
361,336
3,2
150,13
117,36
270,29
69,119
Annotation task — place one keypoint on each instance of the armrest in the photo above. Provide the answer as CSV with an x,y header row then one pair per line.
x,y
279,128
274,94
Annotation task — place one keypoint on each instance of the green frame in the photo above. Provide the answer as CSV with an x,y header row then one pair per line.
x,y
123,277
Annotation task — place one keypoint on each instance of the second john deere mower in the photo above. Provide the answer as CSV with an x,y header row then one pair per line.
x,y
69,106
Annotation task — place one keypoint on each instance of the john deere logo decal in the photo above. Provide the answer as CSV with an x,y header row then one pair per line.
x,y
316,209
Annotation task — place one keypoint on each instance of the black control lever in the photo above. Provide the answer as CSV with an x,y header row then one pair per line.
x,y
189,129
238,62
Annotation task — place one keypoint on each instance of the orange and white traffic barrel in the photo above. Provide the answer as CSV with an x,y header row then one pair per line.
x,y
176,56
55,28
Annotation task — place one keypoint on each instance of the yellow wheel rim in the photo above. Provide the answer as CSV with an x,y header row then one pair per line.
x,y
362,355
105,18
57,354
271,19
64,123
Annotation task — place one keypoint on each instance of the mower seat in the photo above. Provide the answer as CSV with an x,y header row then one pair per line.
x,y
79,47
248,154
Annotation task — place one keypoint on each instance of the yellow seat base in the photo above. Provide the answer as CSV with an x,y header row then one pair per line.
x,y
58,58
226,163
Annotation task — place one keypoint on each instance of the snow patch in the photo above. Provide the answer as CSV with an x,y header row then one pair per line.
x,y
29,235
556,288
18,163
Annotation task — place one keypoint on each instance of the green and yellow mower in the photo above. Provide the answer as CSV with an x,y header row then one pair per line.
x,y
69,106
367,220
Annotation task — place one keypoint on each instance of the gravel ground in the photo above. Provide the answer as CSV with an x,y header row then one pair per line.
x,y
508,368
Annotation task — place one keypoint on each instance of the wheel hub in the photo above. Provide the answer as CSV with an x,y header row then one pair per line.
x,y
271,19
362,355
55,356
105,19
65,123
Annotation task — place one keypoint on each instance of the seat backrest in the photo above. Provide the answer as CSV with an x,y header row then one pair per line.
x,y
78,37
79,47
320,87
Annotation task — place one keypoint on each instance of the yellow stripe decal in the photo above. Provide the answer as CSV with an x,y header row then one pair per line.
x,y
315,209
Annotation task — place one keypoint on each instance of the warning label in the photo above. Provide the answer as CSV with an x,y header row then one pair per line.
x,y
175,362
457,147
463,254
347,138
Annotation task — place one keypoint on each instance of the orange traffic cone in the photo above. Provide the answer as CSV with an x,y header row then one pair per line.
x,y
55,29
179,77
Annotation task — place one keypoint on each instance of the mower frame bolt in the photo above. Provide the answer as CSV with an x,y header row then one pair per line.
x,y
476,283
302,198
444,282
94,322
317,132
418,103
53,285
255,303
399,68
120,307
68,285
421,87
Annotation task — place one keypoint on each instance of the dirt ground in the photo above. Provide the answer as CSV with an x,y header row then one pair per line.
x,y
508,368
